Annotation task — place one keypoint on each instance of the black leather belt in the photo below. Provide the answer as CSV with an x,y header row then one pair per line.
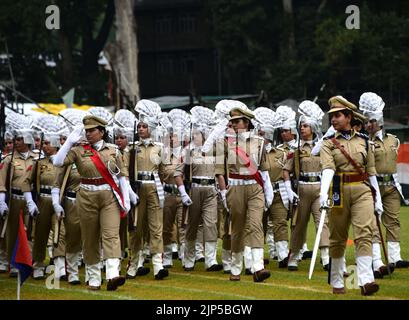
x,y
387,178
45,191
310,179
142,176
171,189
203,182
17,192
71,194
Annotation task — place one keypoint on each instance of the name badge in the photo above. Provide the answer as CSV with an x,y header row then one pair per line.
x,y
87,154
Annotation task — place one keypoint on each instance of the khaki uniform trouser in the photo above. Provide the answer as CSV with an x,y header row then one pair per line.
x,y
123,233
44,223
99,220
149,221
172,220
13,224
223,225
246,204
358,210
203,210
277,215
72,227
309,204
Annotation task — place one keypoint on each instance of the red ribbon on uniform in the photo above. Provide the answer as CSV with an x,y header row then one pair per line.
x,y
247,162
102,169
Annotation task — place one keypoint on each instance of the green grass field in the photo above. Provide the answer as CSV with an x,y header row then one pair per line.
x,y
215,285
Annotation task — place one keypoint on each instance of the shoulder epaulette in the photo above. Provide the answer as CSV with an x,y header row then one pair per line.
x,y
329,137
391,135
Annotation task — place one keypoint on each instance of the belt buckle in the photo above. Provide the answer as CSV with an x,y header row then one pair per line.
x,y
313,179
387,178
204,182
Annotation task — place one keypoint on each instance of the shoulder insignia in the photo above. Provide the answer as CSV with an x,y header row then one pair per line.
x,y
329,137
362,135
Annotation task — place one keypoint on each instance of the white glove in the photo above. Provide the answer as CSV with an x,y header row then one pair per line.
x,y
224,199
75,136
326,178
133,197
290,193
124,186
185,197
378,202
3,206
329,132
58,209
31,206
268,188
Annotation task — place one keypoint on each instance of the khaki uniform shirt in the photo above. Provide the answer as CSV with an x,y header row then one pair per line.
x,y
202,166
276,159
253,145
21,172
309,162
148,157
73,181
109,155
386,153
167,170
358,148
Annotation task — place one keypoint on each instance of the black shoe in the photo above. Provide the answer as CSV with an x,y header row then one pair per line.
x,y
146,260
215,267
275,258
283,263
369,289
248,272
75,282
292,268
13,274
326,267
51,263
200,260
175,255
163,273
383,271
227,272
261,275
402,264
167,266
307,255
266,261
142,271
114,283
64,278
188,269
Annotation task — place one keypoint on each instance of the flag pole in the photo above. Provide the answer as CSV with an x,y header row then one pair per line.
x,y
18,285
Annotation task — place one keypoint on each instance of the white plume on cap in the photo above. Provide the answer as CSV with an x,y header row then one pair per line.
x,y
73,117
124,123
102,113
223,108
149,112
372,106
267,120
180,121
203,118
288,115
52,127
19,125
312,115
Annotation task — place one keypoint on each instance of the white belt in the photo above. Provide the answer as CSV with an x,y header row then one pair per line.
x,y
241,182
70,199
203,177
311,174
91,187
198,185
45,195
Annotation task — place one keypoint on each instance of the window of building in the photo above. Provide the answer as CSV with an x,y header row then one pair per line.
x,y
187,63
187,23
163,24
165,64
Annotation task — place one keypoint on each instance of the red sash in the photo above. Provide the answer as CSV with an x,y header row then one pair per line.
x,y
102,169
247,162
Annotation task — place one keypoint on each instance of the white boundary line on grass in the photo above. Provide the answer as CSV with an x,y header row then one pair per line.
x,y
283,285
220,293
85,291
